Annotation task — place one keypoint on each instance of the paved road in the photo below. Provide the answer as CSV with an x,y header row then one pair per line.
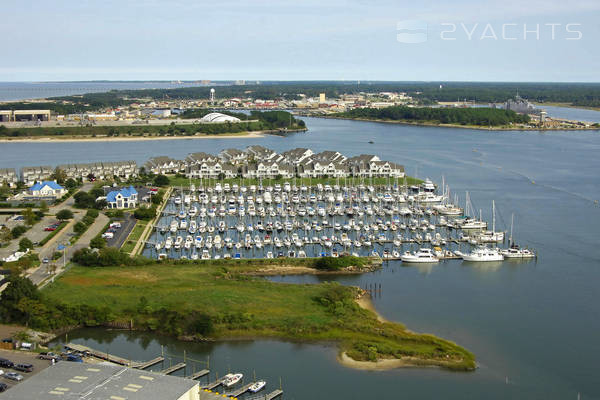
x,y
40,274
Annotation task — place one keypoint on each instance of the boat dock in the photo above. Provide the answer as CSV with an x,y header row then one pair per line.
x,y
199,374
240,391
274,394
147,364
172,369
98,354
212,385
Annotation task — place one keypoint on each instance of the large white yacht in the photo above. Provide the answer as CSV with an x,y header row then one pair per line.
x,y
421,256
483,254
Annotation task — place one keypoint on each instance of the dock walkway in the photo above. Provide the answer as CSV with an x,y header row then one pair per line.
x,y
199,374
149,363
172,369
98,354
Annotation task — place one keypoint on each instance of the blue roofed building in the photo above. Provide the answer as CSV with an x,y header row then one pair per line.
x,y
46,189
123,198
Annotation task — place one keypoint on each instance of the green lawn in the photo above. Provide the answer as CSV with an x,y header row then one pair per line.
x,y
134,236
167,298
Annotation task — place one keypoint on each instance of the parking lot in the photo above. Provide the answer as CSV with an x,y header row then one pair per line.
x,y
120,234
21,357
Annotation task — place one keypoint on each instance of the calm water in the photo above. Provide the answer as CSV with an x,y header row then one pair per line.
x,y
14,91
533,325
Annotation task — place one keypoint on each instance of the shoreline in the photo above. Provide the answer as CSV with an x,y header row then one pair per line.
x,y
64,139
475,128
285,270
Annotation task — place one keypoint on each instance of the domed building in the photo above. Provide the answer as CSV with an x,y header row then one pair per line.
x,y
218,117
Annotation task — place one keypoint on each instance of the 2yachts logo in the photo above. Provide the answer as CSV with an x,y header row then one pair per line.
x,y
416,31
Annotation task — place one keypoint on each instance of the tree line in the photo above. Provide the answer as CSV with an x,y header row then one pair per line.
x,y
460,116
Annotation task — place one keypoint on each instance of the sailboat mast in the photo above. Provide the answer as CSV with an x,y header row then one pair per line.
x,y
493,217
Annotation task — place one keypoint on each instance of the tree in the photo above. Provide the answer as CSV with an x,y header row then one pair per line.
x,y
18,288
25,244
18,231
161,180
59,175
29,216
5,235
79,227
145,213
71,183
97,243
44,206
65,214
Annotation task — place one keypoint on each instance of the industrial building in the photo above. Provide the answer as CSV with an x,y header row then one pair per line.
x,y
24,115
102,382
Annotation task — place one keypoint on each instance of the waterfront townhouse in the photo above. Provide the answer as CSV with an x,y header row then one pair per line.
x,y
8,176
319,169
329,156
212,170
260,153
370,166
268,170
31,175
233,156
163,165
199,158
296,156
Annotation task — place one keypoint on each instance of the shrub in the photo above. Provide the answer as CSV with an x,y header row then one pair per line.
x,y
25,244
18,231
64,214
337,263
79,228
145,213
161,180
98,242
92,213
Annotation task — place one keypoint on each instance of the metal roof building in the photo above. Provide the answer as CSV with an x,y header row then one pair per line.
x,y
70,380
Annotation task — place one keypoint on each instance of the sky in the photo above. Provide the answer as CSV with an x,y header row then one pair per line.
x,y
441,40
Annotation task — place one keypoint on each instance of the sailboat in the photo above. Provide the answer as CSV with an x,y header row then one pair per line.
x,y
514,251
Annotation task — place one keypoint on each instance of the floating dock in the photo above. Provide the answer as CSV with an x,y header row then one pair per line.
x,y
274,394
147,364
214,384
199,374
98,354
240,391
172,369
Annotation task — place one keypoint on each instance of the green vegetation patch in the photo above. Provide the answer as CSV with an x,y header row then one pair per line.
x,y
219,300
53,233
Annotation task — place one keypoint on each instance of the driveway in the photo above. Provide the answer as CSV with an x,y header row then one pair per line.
x,y
123,232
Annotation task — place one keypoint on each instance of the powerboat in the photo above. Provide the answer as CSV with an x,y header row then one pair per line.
x,y
257,387
421,256
483,254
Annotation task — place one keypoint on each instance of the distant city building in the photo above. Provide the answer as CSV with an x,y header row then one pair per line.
x,y
218,117
322,98
24,115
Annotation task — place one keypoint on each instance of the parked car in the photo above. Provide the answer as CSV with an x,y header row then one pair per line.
x,y
50,228
74,358
3,387
23,367
49,356
1,372
45,260
115,225
6,363
107,235
13,376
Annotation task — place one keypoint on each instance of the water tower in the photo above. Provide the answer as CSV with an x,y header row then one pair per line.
x,y
212,95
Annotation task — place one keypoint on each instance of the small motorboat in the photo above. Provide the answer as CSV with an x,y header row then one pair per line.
x,y
257,386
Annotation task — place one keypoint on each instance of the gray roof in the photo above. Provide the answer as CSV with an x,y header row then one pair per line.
x,y
69,380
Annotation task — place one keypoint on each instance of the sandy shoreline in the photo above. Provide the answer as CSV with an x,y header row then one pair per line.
x,y
45,139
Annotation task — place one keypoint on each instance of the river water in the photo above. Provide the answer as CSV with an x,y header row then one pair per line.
x,y
533,327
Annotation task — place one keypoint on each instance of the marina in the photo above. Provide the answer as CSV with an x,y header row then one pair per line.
x,y
285,220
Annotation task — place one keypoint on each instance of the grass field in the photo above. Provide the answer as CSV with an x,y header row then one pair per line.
x,y
169,298
134,236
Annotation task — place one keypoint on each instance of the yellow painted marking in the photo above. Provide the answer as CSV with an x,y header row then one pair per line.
x,y
55,392
130,389
62,389
134,385
81,377
93,369
117,398
148,378
75,380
